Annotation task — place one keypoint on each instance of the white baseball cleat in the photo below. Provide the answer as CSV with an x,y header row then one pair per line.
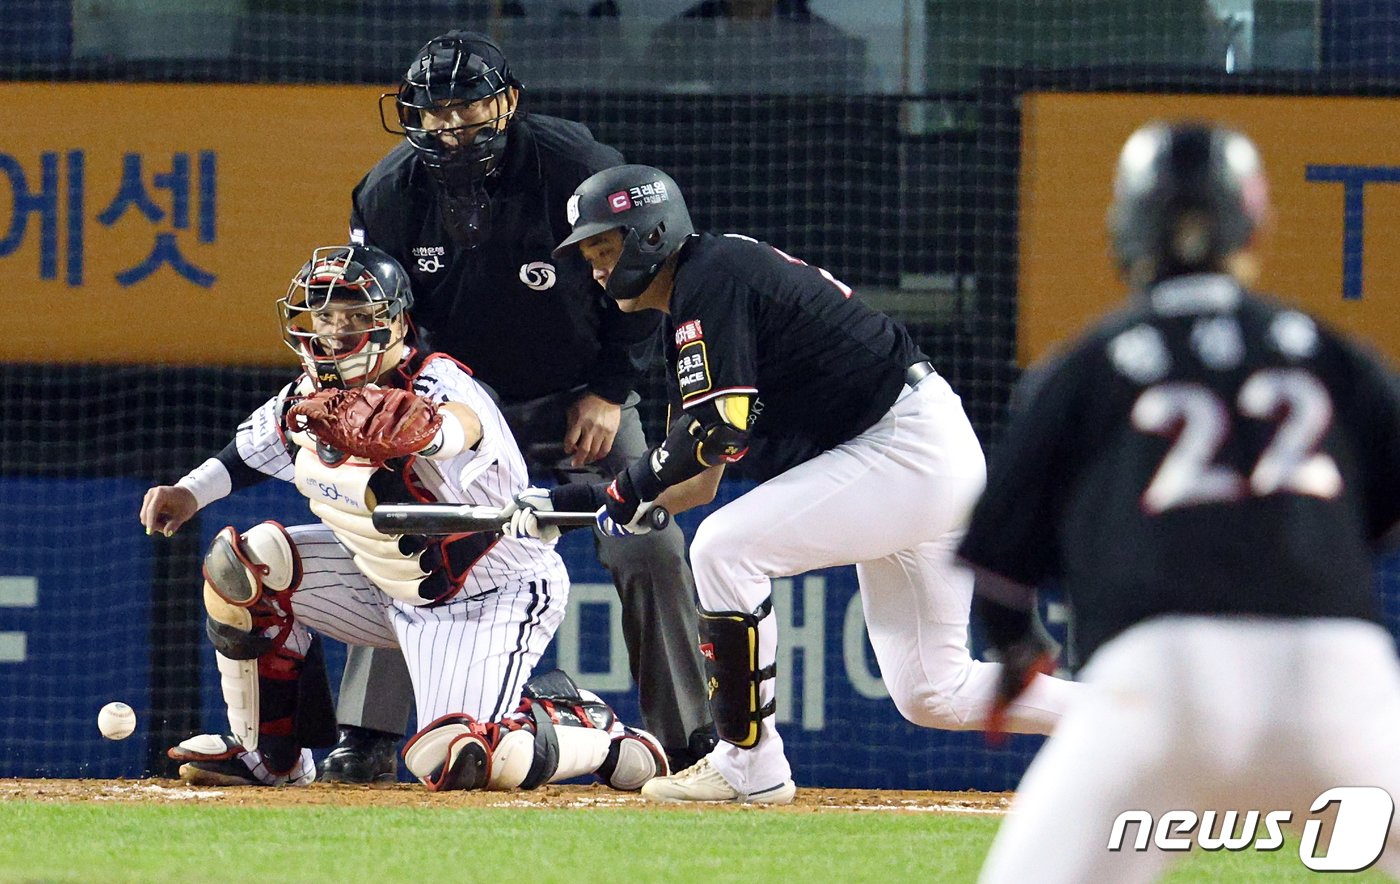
x,y
701,782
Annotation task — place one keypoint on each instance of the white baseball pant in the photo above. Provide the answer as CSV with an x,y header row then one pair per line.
x,y
469,655
894,501
1204,713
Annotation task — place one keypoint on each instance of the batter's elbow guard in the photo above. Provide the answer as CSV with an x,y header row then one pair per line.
x,y
729,644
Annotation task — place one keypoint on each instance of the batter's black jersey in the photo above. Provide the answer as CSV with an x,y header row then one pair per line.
x,y
527,324
821,365
1204,451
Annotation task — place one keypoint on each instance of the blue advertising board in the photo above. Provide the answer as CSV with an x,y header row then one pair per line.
x,y
75,590
76,575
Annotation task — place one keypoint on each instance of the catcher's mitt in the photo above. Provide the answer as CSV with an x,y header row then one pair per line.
x,y
377,423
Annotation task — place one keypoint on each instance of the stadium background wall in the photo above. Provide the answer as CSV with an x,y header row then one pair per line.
x,y
112,383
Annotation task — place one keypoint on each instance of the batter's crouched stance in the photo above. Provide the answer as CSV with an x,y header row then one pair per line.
x,y
471,613
772,353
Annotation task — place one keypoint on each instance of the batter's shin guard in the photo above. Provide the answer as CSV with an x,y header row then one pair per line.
x,y
729,644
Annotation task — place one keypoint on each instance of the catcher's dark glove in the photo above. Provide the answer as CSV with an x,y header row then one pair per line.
x,y
376,423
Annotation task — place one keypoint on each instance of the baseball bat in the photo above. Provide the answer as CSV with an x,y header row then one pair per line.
x,y
452,518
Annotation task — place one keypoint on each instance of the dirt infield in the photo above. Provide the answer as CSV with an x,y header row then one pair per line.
x,y
405,795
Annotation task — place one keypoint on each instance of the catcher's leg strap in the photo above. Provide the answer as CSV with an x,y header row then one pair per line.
x,y
729,644
451,753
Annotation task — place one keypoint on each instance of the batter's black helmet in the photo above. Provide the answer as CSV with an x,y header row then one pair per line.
x,y
457,67
647,206
339,311
1185,196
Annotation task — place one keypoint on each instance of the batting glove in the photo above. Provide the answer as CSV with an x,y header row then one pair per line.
x,y
637,526
521,521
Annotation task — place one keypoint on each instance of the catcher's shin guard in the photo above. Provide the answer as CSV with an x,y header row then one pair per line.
x,y
557,733
730,648
237,570
450,754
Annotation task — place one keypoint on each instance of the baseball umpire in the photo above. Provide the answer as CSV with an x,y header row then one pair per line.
x,y
471,202
1207,473
370,420
765,347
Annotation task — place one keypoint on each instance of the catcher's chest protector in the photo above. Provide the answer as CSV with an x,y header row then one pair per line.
x,y
340,496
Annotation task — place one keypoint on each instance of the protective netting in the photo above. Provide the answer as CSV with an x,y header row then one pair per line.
x,y
883,141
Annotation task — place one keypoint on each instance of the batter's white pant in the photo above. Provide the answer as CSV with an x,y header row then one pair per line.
x,y
469,655
1197,713
894,501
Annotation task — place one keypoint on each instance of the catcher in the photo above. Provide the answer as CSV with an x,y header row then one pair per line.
x,y
373,420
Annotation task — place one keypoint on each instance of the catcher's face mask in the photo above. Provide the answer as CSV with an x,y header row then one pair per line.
x,y
335,318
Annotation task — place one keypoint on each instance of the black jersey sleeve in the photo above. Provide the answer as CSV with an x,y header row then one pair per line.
x,y
716,343
1013,532
1372,411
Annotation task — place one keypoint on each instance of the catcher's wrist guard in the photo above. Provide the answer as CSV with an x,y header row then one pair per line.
x,y
450,441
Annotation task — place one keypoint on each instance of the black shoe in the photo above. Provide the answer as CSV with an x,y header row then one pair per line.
x,y
702,741
362,756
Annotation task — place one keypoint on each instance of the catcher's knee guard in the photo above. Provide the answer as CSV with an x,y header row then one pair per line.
x,y
730,648
452,753
238,567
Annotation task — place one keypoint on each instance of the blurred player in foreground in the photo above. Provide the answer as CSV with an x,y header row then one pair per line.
x,y
372,420
1207,474
868,456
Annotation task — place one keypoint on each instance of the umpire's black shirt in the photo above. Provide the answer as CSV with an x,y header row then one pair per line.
x,y
1204,452
821,365
527,324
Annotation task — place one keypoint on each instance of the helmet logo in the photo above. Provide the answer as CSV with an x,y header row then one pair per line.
x,y
571,210
537,275
620,201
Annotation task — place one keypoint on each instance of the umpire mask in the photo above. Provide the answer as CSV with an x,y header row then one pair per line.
x,y
454,106
647,206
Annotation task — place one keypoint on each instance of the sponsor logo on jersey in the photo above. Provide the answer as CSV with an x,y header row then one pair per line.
x,y
687,332
430,258
537,275
692,370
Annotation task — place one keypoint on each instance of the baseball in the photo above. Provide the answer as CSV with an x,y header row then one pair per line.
x,y
116,721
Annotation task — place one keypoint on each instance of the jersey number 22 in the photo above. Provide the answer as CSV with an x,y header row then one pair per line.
x,y
1292,399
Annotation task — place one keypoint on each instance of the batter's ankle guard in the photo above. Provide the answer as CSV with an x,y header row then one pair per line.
x,y
729,643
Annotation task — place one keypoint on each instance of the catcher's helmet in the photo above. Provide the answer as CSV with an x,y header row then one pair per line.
x,y
339,311
1185,196
647,206
459,67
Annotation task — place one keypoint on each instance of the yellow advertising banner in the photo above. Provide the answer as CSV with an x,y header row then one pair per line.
x,y
160,223
1334,173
